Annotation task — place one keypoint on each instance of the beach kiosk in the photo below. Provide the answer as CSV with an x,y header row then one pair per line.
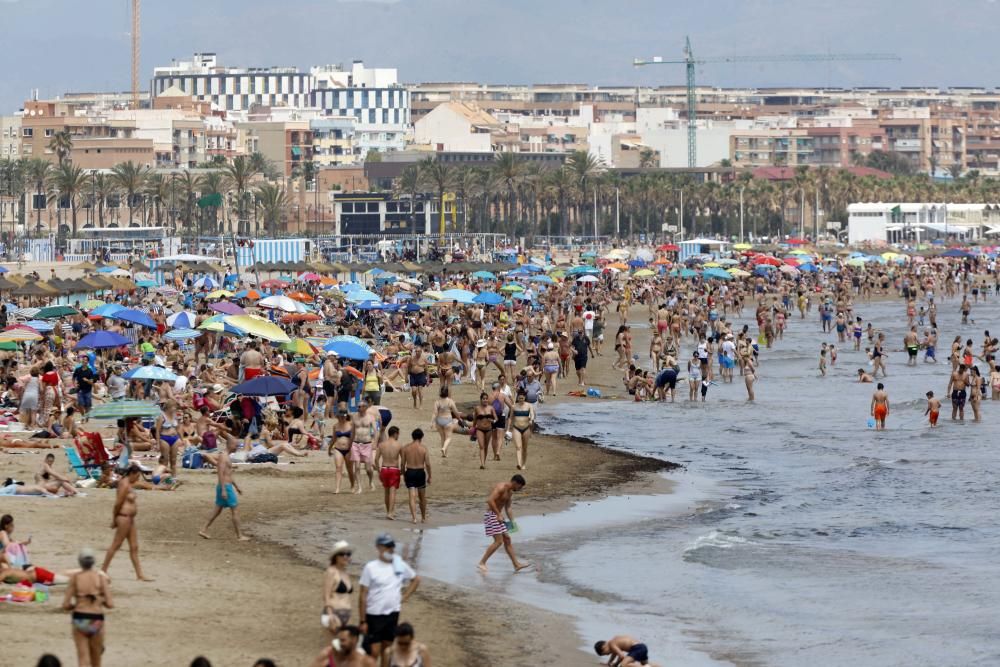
x,y
693,247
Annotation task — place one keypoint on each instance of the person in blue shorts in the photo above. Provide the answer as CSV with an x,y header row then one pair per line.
x,y
226,493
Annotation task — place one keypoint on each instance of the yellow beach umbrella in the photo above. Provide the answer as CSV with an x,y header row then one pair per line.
x,y
219,294
259,327
18,335
742,246
738,273
711,265
643,273
299,346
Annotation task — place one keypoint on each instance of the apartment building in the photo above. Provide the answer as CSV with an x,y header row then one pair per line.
x,y
10,137
288,144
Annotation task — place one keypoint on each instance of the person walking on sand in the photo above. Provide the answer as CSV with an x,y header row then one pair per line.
x,y
364,429
87,596
417,474
880,406
416,369
498,503
386,583
387,462
226,490
123,518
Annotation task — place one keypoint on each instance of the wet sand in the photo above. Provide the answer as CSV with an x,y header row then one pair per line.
x,y
235,602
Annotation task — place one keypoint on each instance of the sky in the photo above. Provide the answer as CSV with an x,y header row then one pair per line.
x,y
59,46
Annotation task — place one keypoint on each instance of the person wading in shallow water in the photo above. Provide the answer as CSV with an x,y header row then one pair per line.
x,y
499,501
880,406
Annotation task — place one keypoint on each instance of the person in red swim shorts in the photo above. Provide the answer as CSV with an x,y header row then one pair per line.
x,y
387,462
933,409
880,406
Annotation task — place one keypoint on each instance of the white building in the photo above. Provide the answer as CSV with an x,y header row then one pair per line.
x,y
891,222
10,137
457,127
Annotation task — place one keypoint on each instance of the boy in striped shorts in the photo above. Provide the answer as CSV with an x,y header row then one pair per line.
x,y
499,502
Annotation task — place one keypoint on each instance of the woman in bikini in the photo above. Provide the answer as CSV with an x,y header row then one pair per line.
x,y
406,651
483,417
445,414
337,589
340,445
123,522
297,427
168,437
87,596
522,418
550,368
271,444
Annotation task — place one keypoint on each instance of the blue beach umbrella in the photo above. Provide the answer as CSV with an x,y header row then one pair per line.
x,y
264,385
99,340
348,350
134,316
488,299
150,373
40,325
107,310
484,275
369,304
460,295
182,320
182,334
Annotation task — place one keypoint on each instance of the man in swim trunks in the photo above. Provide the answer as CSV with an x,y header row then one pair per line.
x,y
880,406
624,651
666,382
912,345
417,474
416,368
956,388
933,409
364,430
499,501
387,462
226,490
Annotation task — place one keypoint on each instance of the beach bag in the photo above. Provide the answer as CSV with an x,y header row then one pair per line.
x,y
209,440
263,458
192,460
312,442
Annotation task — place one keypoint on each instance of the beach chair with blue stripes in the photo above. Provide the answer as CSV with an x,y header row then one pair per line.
x,y
83,470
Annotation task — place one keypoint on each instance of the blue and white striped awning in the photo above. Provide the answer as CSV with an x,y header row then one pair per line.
x,y
272,250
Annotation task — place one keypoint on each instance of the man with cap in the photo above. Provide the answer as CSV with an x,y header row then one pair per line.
x,y
386,583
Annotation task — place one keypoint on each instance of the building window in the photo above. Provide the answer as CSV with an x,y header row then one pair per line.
x,y
49,132
27,132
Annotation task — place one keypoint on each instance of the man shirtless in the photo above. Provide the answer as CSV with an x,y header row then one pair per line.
x,y
956,389
880,406
499,501
417,474
416,368
912,345
933,409
387,462
226,491
624,651
364,429
331,383
251,362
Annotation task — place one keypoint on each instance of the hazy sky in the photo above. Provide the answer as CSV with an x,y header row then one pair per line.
x,y
75,45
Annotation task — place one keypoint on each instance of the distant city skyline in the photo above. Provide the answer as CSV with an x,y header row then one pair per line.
x,y
58,46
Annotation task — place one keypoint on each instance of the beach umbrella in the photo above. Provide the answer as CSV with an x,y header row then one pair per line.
x,y
150,373
9,346
670,247
618,253
957,253
529,268
26,313
411,308
206,282
856,261
488,299
512,287
311,277
545,280
90,304
107,268
274,283
280,302
227,308
257,327
484,275
687,273
265,385
300,296
56,311
145,283
217,325
636,264
299,346
719,274
182,334
182,320
133,316
99,340
586,279
248,294
644,254
795,241
19,335
808,268
40,325
738,273
359,295
590,254
369,304
787,268
348,350
219,294
830,268
123,409
642,273
300,317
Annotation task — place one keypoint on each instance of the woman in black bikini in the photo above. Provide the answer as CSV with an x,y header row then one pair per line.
x,y
341,444
337,589
483,417
522,418
87,596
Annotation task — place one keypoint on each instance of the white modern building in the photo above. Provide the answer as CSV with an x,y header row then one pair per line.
x,y
892,222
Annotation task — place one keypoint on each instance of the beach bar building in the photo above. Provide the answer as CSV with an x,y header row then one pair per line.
x,y
692,247
900,222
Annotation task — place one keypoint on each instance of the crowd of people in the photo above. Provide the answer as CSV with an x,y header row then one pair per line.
x,y
514,353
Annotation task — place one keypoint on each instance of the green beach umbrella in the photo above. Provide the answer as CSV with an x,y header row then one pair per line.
x,y
512,288
8,346
52,312
122,409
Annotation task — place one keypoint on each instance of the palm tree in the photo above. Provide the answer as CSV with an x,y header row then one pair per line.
x,y
213,184
272,201
157,188
130,178
37,171
61,144
103,187
410,182
261,165
240,173
466,181
648,158
187,188
442,178
67,182
584,167
509,171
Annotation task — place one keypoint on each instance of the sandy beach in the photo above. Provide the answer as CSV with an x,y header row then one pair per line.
x,y
236,602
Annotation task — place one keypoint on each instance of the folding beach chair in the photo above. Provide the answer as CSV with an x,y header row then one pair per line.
x,y
82,470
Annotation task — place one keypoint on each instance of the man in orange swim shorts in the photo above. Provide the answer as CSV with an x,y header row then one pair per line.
x,y
387,461
880,406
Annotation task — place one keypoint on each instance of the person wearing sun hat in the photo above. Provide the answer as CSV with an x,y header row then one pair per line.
x,y
386,583
337,588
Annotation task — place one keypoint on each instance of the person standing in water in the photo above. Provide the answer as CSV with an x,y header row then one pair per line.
x,y
933,409
880,406
499,502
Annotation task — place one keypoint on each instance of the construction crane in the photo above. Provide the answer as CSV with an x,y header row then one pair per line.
x,y
135,53
690,61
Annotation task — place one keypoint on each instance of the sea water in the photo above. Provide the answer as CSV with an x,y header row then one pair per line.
x,y
801,536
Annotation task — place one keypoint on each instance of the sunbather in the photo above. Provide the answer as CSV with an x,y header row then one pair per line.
x,y
51,480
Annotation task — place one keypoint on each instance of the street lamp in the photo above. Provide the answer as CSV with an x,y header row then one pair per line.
x,y
741,213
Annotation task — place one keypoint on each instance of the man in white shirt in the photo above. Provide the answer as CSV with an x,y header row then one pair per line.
x,y
386,583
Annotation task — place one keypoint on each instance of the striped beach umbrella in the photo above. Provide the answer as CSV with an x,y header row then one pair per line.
x,y
122,409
